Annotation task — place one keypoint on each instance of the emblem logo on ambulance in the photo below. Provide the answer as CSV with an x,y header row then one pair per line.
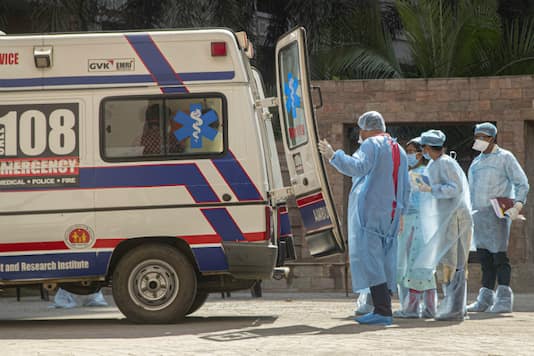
x,y
79,236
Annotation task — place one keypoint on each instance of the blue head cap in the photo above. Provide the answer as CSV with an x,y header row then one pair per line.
x,y
486,128
416,140
433,138
372,120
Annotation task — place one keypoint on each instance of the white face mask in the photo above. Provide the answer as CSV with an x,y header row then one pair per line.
x,y
360,140
480,145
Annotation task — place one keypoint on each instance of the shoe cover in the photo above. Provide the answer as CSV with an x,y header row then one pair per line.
x,y
64,299
374,319
95,300
430,301
364,304
409,303
485,299
504,300
452,307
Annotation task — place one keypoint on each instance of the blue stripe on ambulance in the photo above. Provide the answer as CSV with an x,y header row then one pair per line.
x,y
150,176
154,61
312,222
210,259
62,265
237,178
110,79
223,224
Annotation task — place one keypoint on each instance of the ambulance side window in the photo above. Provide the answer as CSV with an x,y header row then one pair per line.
x,y
163,128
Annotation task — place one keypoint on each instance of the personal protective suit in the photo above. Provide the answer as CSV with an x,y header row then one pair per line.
x,y
379,194
447,227
497,174
417,287
372,231
494,173
375,207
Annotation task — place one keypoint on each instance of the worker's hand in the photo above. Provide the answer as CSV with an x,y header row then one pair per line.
x,y
513,212
424,187
326,149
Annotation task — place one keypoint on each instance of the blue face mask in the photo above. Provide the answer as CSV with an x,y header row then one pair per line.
x,y
427,156
412,159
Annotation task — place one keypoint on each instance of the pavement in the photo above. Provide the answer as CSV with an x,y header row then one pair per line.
x,y
277,323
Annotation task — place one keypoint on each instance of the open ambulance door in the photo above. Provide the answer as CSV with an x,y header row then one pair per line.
x,y
299,129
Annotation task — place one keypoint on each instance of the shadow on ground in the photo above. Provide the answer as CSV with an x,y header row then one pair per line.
x,y
96,328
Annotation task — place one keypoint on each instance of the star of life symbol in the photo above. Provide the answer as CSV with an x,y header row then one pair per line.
x,y
195,125
292,99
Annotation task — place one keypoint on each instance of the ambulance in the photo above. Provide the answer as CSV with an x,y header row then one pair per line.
x,y
146,161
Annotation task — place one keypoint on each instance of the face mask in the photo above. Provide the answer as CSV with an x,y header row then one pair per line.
x,y
360,140
412,159
427,156
480,145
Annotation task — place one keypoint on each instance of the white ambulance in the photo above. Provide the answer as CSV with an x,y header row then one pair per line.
x,y
146,161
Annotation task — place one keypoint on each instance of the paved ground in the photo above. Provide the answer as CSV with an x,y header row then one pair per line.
x,y
281,324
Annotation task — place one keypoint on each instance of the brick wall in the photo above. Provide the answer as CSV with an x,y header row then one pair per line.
x,y
508,101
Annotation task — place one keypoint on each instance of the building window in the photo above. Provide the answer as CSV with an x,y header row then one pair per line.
x,y
163,128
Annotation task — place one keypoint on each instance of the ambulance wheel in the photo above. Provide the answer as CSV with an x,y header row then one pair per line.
x,y
199,301
154,284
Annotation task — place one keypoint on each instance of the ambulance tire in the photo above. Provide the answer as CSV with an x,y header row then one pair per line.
x,y
154,284
199,301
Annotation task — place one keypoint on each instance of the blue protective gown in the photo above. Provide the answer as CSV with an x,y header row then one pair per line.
x,y
446,217
492,175
372,231
411,242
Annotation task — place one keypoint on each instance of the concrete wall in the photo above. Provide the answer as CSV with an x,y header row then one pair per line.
x,y
508,101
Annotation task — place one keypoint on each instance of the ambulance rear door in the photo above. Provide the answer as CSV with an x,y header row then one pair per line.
x,y
300,135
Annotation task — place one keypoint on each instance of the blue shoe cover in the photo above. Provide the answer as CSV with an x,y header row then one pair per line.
x,y
364,304
64,299
374,319
364,317
95,300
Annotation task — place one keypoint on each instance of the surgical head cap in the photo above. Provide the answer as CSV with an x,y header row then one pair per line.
x,y
416,140
486,128
372,120
433,138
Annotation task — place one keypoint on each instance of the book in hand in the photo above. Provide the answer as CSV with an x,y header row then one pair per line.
x,y
501,204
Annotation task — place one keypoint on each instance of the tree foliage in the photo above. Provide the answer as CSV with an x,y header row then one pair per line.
x,y
347,39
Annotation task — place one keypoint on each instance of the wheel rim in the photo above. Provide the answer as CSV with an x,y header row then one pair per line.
x,y
153,285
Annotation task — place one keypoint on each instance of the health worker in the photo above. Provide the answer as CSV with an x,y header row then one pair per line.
x,y
494,173
379,194
416,287
447,225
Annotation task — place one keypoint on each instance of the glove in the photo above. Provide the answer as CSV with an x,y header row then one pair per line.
x,y
326,149
424,188
513,212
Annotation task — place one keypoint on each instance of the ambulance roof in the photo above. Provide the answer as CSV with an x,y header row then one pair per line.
x,y
173,59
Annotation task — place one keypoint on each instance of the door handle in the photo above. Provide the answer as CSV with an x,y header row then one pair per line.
x,y
320,105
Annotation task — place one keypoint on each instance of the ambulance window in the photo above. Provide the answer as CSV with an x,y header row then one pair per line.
x,y
167,128
292,96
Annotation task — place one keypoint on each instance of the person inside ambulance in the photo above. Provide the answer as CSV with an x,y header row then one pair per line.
x,y
153,132
380,193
